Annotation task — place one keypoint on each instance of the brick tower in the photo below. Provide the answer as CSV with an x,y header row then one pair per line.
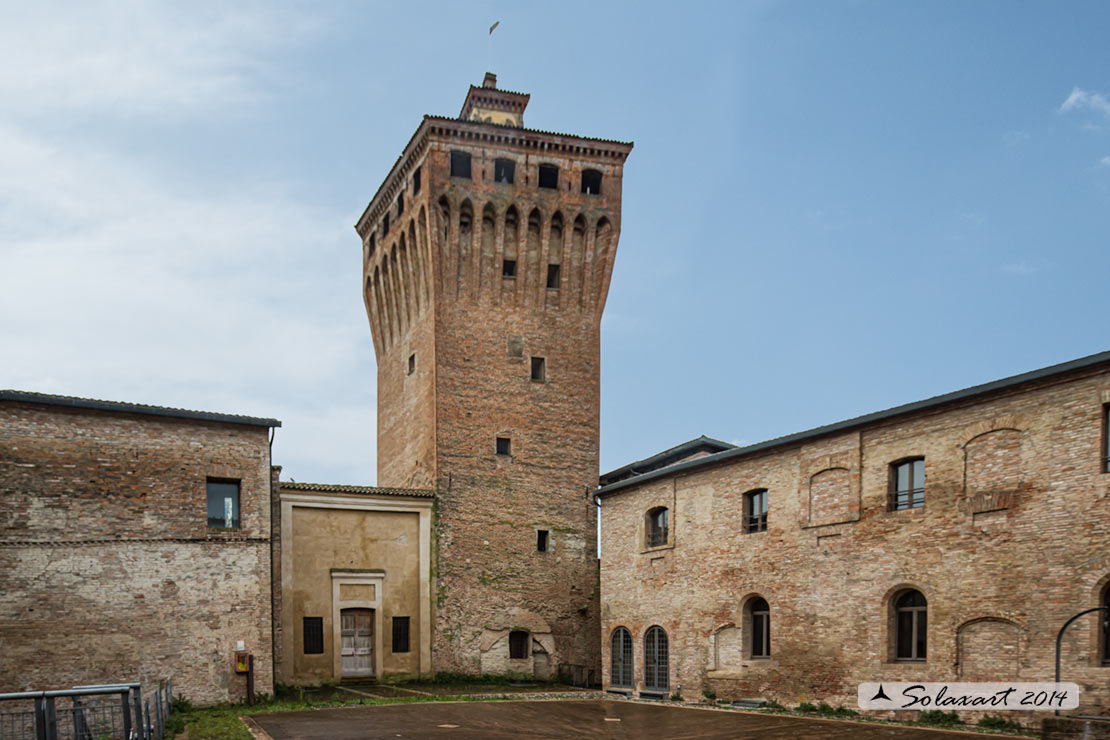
x,y
487,253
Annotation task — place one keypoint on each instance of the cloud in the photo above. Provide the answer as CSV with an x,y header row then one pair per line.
x,y
1082,100
1104,162
1021,267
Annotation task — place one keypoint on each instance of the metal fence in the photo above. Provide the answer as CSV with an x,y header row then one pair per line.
x,y
108,712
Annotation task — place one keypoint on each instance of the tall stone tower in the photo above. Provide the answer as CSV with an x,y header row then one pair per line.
x,y
487,253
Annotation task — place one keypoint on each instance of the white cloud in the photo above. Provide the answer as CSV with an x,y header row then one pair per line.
x,y
1081,99
1104,162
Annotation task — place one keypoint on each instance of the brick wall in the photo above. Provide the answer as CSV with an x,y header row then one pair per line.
x,y
109,571
1012,540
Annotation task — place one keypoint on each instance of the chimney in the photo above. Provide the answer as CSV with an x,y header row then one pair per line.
x,y
490,80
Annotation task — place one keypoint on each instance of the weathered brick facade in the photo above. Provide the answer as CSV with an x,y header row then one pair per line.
x,y
108,569
469,280
1013,539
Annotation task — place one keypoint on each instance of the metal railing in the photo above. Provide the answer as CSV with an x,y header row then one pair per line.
x,y
105,712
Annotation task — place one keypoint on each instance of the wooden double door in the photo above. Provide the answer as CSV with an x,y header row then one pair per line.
x,y
358,642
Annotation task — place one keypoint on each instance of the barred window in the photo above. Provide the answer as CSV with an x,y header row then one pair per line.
x,y
620,659
657,527
907,484
400,634
518,644
656,660
313,637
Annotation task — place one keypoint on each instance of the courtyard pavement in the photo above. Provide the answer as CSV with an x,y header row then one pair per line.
x,y
501,720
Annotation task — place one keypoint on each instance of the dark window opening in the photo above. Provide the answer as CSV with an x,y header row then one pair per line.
x,y
518,645
400,634
911,626
223,503
504,170
385,224
460,164
761,627
553,276
412,363
373,243
504,446
755,511
907,484
1106,438
313,638
416,180
620,659
591,182
657,527
656,660
508,268
1104,620
539,369
400,204
541,540
549,176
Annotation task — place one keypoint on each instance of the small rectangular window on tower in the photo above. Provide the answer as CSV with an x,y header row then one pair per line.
x,y
400,634
552,276
539,369
541,540
460,164
385,224
508,268
591,182
412,363
504,170
549,176
416,180
313,638
400,205
504,446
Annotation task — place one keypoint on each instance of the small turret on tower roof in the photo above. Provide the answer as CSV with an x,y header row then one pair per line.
x,y
490,105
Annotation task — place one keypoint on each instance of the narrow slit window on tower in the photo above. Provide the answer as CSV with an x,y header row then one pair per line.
x,y
549,176
412,363
504,446
508,268
385,224
400,204
541,540
373,243
552,276
591,182
460,164
504,170
539,369
416,181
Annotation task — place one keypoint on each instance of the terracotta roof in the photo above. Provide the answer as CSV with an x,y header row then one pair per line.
x,y
133,408
289,485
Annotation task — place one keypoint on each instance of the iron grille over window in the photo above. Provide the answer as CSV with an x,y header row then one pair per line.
x,y
504,171
518,645
755,511
549,176
223,503
460,164
907,484
313,635
656,660
911,623
761,627
657,527
400,634
620,658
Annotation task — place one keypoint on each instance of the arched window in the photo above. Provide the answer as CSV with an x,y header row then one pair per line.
x,y
620,659
911,626
755,511
907,484
656,660
518,645
759,619
657,527
1105,622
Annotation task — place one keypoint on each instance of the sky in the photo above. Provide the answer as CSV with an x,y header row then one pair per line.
x,y
832,208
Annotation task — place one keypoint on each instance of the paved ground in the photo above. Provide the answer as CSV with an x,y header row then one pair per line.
x,y
501,720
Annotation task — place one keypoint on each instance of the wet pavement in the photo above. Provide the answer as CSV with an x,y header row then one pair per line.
x,y
501,720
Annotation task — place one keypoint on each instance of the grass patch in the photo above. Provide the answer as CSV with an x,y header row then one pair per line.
x,y
937,718
990,722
